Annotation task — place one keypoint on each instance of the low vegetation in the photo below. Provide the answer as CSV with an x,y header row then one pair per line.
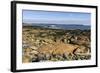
x,y
55,44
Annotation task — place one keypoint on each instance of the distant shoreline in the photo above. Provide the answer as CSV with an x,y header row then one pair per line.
x,y
57,26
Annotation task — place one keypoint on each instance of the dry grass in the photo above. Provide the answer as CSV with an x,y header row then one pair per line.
x,y
54,45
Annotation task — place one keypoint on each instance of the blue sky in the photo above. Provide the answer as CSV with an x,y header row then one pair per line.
x,y
52,17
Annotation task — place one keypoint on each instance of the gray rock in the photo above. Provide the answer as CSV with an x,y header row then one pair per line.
x,y
47,56
41,57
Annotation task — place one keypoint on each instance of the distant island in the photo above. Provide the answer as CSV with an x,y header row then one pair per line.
x,y
59,26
